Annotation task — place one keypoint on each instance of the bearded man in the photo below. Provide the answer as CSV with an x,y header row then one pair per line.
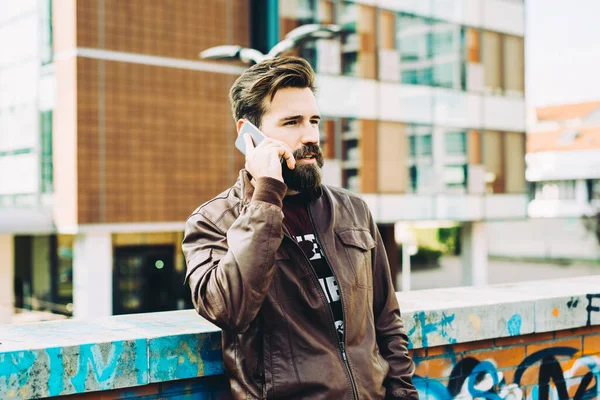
x,y
293,271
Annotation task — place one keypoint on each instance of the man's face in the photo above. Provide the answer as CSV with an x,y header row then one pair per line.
x,y
293,118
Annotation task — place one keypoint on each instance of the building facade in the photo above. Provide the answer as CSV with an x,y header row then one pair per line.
x,y
563,161
563,171
424,110
424,116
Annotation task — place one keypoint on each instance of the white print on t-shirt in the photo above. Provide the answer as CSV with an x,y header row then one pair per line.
x,y
316,250
339,326
331,289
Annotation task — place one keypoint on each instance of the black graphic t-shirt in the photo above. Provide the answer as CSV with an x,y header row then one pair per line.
x,y
298,223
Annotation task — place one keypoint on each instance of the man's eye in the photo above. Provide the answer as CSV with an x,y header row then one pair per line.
x,y
315,122
290,123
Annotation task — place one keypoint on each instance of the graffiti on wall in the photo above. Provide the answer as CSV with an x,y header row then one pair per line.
x,y
471,378
102,366
591,307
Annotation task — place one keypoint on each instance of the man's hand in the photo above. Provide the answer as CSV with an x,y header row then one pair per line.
x,y
264,159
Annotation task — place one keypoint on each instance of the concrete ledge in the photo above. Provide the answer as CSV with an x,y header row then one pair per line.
x,y
76,356
466,314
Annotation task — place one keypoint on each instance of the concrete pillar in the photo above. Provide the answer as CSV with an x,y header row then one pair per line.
x,y
7,277
474,254
92,275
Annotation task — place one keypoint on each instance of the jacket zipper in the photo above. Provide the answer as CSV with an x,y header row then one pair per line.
x,y
342,344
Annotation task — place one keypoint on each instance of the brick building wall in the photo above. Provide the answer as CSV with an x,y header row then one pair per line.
x,y
141,136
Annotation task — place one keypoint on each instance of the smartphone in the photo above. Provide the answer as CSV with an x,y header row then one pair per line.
x,y
255,133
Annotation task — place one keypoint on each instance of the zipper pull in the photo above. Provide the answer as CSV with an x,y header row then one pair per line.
x,y
343,349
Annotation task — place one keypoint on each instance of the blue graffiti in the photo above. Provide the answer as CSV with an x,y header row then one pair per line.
x,y
90,358
141,361
431,327
16,365
181,357
482,369
471,378
427,387
514,325
56,375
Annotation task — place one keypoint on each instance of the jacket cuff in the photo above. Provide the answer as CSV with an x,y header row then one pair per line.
x,y
269,190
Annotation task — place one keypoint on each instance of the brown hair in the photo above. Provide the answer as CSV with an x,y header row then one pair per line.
x,y
263,80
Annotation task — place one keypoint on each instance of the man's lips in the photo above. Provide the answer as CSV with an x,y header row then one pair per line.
x,y
309,158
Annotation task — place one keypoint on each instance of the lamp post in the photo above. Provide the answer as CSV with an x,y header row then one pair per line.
x,y
294,38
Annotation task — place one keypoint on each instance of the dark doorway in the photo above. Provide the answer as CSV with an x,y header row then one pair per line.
x,y
144,279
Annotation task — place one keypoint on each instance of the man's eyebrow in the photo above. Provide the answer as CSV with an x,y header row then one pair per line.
x,y
293,117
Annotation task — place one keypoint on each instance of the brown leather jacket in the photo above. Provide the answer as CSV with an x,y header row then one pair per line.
x,y
250,278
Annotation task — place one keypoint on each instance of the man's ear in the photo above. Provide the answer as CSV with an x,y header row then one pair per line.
x,y
239,124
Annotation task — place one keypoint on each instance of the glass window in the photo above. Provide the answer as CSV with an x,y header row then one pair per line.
x,y
351,155
431,52
420,142
456,143
420,147
421,178
351,180
445,39
46,32
447,75
593,189
46,148
352,151
555,190
294,13
455,176
413,37
348,20
349,63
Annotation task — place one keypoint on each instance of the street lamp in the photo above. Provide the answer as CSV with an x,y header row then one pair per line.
x,y
292,39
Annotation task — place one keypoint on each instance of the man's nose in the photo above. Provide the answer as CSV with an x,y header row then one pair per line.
x,y
310,134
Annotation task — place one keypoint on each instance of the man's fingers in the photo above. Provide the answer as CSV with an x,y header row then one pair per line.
x,y
289,158
249,143
282,149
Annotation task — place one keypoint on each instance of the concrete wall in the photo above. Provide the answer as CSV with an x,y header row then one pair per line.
x,y
515,367
515,338
562,238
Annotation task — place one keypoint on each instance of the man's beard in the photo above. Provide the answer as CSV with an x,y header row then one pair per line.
x,y
304,178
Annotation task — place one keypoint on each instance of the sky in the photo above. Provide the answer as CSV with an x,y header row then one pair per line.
x,y
562,50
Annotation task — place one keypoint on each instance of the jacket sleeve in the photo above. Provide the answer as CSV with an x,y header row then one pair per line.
x,y
391,337
229,273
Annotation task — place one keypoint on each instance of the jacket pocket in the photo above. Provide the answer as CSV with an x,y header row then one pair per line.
x,y
196,262
358,244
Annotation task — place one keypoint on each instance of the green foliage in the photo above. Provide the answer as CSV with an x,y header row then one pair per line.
x,y
426,256
449,239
